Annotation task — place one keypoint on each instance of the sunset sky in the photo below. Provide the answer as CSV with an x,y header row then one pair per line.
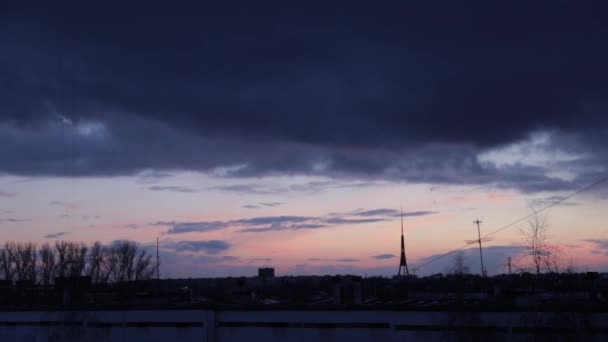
x,y
273,134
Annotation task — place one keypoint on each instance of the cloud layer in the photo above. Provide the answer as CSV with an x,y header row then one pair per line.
x,y
263,224
407,92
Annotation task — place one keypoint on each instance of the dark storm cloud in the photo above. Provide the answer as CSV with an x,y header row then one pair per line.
x,y
402,91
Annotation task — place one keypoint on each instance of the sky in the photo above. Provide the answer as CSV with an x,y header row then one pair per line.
x,y
292,135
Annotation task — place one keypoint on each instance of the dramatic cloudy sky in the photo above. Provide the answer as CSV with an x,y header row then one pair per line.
x,y
251,133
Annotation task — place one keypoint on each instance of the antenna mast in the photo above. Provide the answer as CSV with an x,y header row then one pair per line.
x,y
402,262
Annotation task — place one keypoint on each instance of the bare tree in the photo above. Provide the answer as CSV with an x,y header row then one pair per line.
x,y
127,262
553,258
125,252
459,265
62,258
535,235
572,267
97,255
144,269
109,265
545,255
47,264
26,261
120,262
76,259
8,260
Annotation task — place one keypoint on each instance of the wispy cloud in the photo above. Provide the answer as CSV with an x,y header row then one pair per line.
x,y
259,259
271,204
7,194
392,213
261,205
190,227
152,176
280,226
263,224
56,235
376,212
347,260
252,189
551,200
13,220
66,205
268,188
207,246
340,221
172,188
334,260
600,244
384,256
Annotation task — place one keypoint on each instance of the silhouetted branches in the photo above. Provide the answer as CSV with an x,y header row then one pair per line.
x,y
47,264
544,255
122,261
459,266
26,262
97,256
8,260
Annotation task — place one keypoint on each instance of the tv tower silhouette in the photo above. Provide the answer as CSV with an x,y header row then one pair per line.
x,y
402,262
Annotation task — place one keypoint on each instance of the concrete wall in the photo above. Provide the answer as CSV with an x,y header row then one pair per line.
x,y
352,326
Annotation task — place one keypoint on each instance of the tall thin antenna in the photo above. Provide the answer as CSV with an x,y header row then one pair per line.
x,y
483,270
402,262
509,264
401,222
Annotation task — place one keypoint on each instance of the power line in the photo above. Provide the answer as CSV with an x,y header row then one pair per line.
x,y
553,204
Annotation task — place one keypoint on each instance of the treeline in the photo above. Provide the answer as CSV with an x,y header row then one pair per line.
x,y
119,262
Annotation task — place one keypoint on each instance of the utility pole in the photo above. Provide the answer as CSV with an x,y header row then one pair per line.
x,y
509,264
483,270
